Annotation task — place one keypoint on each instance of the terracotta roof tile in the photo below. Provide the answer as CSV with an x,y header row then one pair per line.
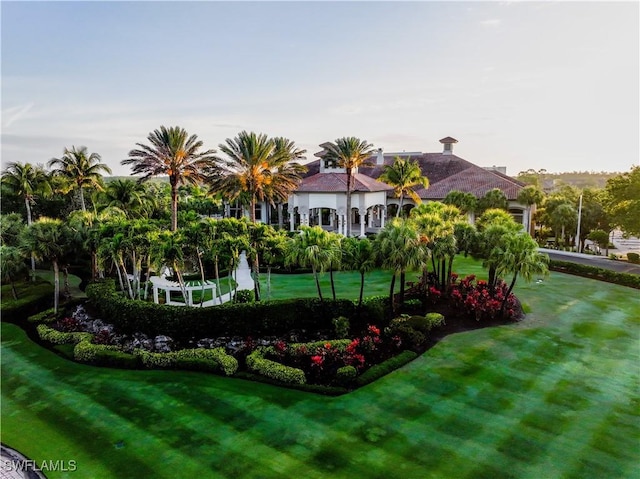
x,y
337,182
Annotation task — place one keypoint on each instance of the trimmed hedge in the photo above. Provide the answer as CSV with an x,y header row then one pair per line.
x,y
271,369
384,368
54,336
45,317
244,319
338,344
311,388
103,355
601,274
215,360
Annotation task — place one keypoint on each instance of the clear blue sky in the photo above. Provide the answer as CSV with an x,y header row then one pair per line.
x,y
523,85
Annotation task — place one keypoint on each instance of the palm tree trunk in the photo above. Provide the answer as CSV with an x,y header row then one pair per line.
x,y
126,279
256,275
183,287
29,221
506,296
393,286
361,288
348,230
65,275
84,207
402,281
201,266
435,269
315,275
333,284
280,216
14,293
94,265
146,283
268,281
56,286
492,280
119,277
174,203
215,266
400,206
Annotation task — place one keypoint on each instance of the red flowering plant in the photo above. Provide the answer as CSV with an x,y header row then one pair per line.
x,y
68,325
477,301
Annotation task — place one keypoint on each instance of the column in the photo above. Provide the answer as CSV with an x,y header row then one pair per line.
x,y
362,212
320,217
340,225
155,294
332,218
383,214
370,223
292,222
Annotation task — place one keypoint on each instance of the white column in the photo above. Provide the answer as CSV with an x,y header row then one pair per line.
x,y
167,295
292,222
340,225
383,214
362,212
320,217
370,223
332,217
189,297
155,294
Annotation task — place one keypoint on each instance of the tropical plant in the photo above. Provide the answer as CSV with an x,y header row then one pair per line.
x,y
310,248
174,153
530,195
129,196
494,198
10,227
623,203
11,265
358,254
81,169
349,153
404,175
47,239
465,202
400,248
289,156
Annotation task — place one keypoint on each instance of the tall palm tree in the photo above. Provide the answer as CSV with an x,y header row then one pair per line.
x,y
465,202
47,239
128,195
27,182
349,153
81,168
403,175
530,195
289,155
400,248
172,152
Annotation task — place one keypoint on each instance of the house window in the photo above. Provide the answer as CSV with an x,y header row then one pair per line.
x,y
518,215
329,163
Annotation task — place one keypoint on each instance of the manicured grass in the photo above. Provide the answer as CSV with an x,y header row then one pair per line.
x,y
555,396
347,283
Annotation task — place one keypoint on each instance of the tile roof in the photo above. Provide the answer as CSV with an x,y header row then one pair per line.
x,y
337,182
445,173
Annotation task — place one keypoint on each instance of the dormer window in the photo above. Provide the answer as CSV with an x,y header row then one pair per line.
x,y
330,164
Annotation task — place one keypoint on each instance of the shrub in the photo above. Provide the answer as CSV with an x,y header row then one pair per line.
x,y
156,360
46,316
54,336
376,310
623,279
633,258
410,337
382,369
341,326
258,364
87,352
216,359
434,320
244,296
346,374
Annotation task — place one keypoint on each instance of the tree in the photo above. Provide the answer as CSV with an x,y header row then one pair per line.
x,y
530,195
563,217
623,202
27,182
309,248
358,254
47,239
349,153
403,175
273,249
10,227
289,155
174,153
81,169
128,195
494,198
400,249
465,202
11,265
601,238
518,253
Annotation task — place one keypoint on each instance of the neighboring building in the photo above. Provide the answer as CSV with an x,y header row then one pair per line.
x,y
321,196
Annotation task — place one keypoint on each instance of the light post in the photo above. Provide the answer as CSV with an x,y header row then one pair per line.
x,y
579,218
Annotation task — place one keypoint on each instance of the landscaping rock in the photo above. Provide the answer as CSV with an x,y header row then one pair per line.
x,y
162,344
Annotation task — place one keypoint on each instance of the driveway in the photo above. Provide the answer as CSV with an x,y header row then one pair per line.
x,y
592,260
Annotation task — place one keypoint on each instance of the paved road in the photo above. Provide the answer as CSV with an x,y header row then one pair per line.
x,y
592,260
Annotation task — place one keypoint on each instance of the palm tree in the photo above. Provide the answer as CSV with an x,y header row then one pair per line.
x,y
403,175
309,248
530,195
28,182
11,265
47,239
494,198
81,168
172,152
518,254
128,195
358,254
349,153
289,155
465,202
400,248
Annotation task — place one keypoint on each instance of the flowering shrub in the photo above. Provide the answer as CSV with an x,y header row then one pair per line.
x,y
476,299
68,325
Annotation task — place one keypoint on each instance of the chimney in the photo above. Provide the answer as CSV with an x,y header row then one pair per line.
x,y
380,157
448,145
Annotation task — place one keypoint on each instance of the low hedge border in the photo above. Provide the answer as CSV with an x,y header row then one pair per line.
x,y
384,368
104,355
600,274
310,388
214,360
257,363
54,336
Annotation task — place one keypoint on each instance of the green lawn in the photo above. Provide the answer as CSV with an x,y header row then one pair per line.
x,y
555,396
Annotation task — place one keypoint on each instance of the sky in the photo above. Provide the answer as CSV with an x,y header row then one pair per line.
x,y
524,85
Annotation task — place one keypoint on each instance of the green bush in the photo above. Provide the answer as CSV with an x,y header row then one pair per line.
x,y
271,369
376,310
346,374
215,360
46,316
410,337
341,327
156,360
382,369
87,352
54,336
240,319
338,344
623,279
435,320
244,296
633,258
